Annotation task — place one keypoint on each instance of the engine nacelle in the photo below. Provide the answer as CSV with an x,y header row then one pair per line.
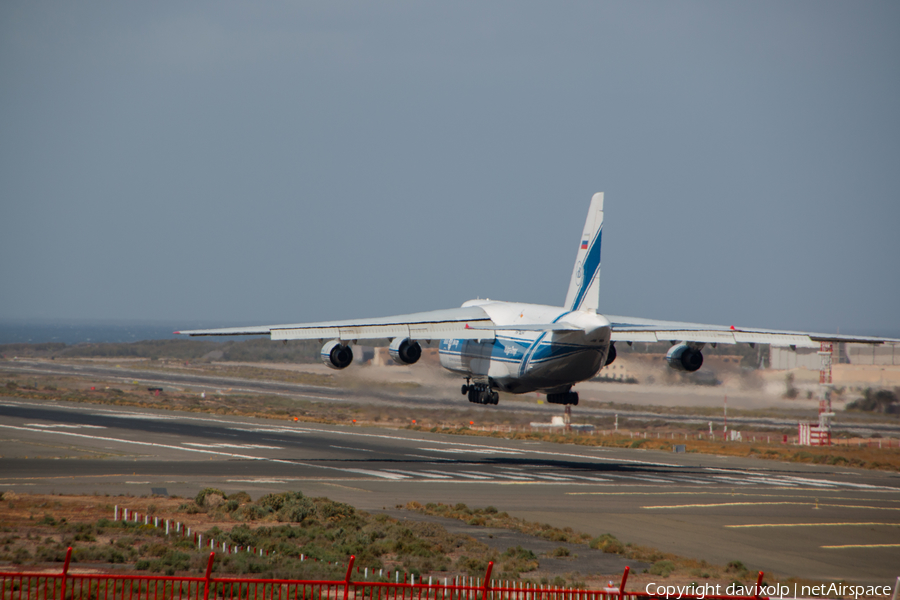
x,y
336,355
684,358
405,351
610,354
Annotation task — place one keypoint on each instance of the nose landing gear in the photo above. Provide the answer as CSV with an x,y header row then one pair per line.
x,y
480,393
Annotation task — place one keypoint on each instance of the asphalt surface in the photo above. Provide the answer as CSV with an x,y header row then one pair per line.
x,y
791,519
387,397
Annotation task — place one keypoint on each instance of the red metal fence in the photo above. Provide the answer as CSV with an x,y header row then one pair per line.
x,y
79,586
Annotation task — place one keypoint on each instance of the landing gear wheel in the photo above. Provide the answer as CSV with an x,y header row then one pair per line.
x,y
480,393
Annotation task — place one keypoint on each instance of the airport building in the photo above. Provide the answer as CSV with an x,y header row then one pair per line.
x,y
852,364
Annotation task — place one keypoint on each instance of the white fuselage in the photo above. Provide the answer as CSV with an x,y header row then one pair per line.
x,y
520,361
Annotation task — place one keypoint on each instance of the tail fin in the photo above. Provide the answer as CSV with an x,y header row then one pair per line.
x,y
584,288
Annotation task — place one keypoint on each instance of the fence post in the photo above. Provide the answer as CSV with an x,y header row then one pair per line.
x,y
207,579
347,578
487,581
65,573
624,580
758,584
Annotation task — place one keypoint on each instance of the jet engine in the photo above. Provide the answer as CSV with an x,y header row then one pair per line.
x,y
684,358
336,355
405,351
610,354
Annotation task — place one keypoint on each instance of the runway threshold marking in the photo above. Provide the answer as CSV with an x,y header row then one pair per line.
x,y
753,525
770,504
722,493
798,479
861,546
183,449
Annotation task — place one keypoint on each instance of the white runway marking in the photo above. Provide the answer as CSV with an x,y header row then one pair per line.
x,y
721,476
418,474
474,450
463,475
551,477
417,440
677,478
169,446
264,430
383,474
62,425
237,446
501,476
435,460
355,449
585,477
256,481
731,480
642,478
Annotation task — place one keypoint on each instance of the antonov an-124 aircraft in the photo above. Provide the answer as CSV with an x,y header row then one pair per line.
x,y
520,348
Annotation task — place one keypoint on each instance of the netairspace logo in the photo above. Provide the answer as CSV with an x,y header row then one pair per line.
x,y
699,592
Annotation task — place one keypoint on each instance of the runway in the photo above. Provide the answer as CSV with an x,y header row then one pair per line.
x,y
792,519
415,399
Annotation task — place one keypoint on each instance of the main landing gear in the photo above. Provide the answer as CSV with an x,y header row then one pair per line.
x,y
480,393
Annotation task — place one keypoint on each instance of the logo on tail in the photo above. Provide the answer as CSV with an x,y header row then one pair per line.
x,y
584,290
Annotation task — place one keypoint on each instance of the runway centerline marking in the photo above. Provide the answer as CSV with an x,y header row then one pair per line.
x,y
721,493
813,525
63,425
348,448
770,504
238,446
473,450
862,546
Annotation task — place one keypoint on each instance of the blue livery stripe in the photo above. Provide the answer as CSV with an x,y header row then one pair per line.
x,y
589,270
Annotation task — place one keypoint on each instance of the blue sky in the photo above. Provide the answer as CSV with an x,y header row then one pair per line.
x,y
237,163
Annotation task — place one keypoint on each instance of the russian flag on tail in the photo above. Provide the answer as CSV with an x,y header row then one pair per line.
x,y
584,244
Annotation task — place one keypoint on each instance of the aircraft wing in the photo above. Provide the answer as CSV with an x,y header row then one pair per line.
x,y
458,323
632,329
529,327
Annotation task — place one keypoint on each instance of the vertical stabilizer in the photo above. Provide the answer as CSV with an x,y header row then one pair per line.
x,y
584,288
